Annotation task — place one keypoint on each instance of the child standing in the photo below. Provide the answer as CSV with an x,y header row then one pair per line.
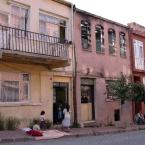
x,y
42,120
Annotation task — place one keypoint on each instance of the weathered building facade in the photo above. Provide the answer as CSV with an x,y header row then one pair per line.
x,y
35,58
102,54
137,43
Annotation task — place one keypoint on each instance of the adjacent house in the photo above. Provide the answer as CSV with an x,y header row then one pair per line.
x,y
137,43
102,54
35,58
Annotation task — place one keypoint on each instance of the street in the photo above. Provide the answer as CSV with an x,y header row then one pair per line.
x,y
127,138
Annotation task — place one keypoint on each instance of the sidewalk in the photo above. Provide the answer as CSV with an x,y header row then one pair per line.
x,y
15,136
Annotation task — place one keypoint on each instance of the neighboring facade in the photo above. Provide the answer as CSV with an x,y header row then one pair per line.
x,y
137,43
35,58
102,54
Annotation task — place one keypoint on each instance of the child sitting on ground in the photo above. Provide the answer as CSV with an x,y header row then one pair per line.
x,y
36,125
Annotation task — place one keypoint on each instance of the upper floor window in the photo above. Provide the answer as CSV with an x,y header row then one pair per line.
x,y
14,87
112,41
122,44
138,54
3,19
99,38
85,34
52,26
19,17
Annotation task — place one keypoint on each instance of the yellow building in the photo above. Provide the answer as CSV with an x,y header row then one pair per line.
x,y
35,58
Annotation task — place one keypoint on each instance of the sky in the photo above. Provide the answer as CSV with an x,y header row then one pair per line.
x,y
122,11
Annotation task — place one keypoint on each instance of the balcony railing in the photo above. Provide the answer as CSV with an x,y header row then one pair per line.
x,y
17,40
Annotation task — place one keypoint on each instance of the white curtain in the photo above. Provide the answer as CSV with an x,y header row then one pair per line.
x,y
138,54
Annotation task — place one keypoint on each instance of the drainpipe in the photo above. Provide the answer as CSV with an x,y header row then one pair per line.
x,y
130,32
73,63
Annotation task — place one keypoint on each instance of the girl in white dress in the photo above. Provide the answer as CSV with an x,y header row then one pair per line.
x,y
66,120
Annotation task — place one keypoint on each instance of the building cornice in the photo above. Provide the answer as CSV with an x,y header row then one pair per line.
x,y
101,18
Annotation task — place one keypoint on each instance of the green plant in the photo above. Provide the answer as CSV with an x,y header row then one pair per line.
x,y
123,90
32,122
48,124
76,125
2,122
12,123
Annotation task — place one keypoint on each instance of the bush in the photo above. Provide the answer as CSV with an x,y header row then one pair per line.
x,y
48,124
76,125
2,122
12,123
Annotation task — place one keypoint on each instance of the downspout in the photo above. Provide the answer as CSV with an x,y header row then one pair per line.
x,y
130,32
73,62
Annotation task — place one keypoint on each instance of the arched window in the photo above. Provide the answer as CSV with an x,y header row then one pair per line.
x,y
122,44
99,32
111,40
85,34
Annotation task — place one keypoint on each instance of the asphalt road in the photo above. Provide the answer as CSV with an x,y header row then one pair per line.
x,y
128,138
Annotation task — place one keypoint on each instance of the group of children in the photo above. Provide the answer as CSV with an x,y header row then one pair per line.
x,y
41,125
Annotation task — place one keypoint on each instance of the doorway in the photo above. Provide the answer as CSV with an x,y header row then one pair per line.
x,y
87,100
60,99
137,105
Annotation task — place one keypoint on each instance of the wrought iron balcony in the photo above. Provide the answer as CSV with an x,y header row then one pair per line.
x,y
21,45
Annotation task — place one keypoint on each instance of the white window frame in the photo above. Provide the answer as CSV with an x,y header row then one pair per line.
x,y
20,6
20,77
6,14
55,17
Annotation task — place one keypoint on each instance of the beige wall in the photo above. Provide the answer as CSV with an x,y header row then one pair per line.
x,y
41,96
41,92
47,6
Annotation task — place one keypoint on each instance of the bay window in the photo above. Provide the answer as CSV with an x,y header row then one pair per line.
x,y
138,54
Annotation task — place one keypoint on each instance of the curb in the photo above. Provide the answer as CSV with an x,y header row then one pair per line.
x,y
95,133
92,133
23,139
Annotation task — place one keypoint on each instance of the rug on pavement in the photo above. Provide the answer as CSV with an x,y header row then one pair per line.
x,y
50,134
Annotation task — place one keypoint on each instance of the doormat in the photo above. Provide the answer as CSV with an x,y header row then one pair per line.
x,y
51,134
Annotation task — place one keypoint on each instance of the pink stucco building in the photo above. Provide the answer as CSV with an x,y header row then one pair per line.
x,y
102,54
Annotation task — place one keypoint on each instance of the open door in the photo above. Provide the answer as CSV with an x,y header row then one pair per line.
x,y
60,99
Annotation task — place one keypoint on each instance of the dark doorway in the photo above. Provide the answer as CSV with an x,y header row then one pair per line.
x,y
137,105
60,99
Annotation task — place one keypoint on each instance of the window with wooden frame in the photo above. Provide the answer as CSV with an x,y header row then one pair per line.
x,y
108,91
122,44
99,32
112,41
85,34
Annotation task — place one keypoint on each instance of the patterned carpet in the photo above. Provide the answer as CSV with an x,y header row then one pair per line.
x,y
50,134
